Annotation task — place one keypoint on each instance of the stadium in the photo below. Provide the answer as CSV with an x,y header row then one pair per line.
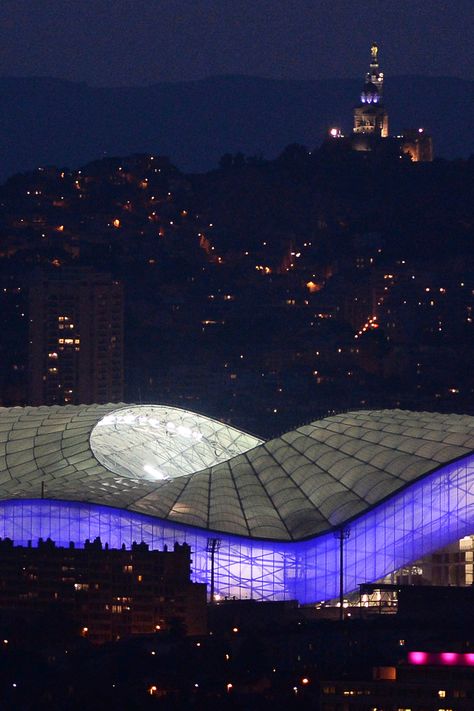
x,y
392,485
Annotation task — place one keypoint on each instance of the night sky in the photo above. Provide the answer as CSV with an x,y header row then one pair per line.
x,y
129,42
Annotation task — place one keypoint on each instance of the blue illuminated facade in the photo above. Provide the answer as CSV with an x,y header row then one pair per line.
x,y
424,516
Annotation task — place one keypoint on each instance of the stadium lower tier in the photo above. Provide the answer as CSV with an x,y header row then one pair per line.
x,y
425,516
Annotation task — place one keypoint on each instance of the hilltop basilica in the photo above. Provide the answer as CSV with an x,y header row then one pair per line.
x,y
370,129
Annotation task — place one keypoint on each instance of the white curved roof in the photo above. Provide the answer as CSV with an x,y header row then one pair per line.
x,y
186,468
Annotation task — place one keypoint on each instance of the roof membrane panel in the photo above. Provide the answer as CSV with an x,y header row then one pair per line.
x,y
172,463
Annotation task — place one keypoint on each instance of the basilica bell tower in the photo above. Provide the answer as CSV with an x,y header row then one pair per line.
x,y
370,116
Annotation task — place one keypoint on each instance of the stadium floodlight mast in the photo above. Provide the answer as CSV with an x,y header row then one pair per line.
x,y
213,545
342,534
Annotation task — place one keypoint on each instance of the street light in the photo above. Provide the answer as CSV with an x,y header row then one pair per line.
x,y
342,534
213,545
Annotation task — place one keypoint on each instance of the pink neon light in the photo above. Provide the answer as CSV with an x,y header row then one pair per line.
x,y
417,657
442,658
449,658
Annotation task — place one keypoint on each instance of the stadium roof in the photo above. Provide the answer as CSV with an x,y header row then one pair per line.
x,y
185,468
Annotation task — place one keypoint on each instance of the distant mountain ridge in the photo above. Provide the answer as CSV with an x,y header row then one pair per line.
x,y
47,121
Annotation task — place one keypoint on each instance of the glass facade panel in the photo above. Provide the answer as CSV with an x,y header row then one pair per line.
x,y
424,517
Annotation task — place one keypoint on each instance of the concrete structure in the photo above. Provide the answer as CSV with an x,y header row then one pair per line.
x,y
110,594
76,338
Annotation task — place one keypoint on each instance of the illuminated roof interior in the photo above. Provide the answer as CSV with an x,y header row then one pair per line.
x,y
158,442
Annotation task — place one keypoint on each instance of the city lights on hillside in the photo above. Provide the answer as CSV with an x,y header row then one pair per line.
x,y
370,325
